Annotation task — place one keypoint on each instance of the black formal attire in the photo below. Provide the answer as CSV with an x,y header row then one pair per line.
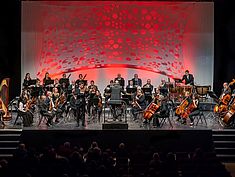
x,y
44,110
137,82
26,83
120,80
163,90
107,92
188,79
80,106
142,103
162,112
148,95
97,106
195,112
116,101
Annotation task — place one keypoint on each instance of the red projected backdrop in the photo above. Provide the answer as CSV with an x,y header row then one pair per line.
x,y
73,37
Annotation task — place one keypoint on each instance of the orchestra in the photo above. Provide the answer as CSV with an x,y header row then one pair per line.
x,y
54,97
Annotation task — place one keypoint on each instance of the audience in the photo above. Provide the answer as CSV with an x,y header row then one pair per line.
x,y
72,161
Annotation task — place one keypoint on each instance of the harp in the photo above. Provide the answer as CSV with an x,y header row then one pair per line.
x,y
4,99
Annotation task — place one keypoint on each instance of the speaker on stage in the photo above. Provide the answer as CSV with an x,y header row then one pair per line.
x,y
114,126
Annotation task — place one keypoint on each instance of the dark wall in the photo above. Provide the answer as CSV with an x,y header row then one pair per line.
x,y
10,34
10,26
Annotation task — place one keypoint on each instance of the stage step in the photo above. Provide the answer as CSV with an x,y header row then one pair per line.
x,y
224,142
9,141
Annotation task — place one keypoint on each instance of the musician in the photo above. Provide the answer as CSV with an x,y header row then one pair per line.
x,y
148,94
46,77
163,111
188,98
98,107
64,83
120,80
195,112
115,100
163,88
44,106
55,94
27,78
80,80
107,90
38,89
56,83
188,78
148,85
137,81
71,86
226,90
130,85
82,93
138,103
92,85
92,91
23,108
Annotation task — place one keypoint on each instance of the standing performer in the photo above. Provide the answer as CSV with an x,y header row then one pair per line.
x,y
188,78
81,93
120,79
137,81
26,80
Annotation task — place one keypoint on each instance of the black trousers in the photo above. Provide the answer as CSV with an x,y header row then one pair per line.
x,y
193,114
156,117
80,114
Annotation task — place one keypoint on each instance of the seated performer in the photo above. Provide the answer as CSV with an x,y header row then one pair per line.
x,y
92,85
24,109
107,90
81,80
26,80
137,81
195,109
226,90
147,93
120,80
45,106
163,88
130,85
188,78
138,103
163,111
46,77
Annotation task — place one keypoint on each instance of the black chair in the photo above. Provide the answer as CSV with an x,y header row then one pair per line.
x,y
201,117
19,115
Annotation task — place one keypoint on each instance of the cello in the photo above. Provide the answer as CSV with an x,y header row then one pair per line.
x,y
183,105
151,109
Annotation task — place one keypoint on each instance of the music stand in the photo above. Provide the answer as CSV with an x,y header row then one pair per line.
x,y
78,82
64,80
36,91
131,90
49,82
147,90
32,82
215,98
177,80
